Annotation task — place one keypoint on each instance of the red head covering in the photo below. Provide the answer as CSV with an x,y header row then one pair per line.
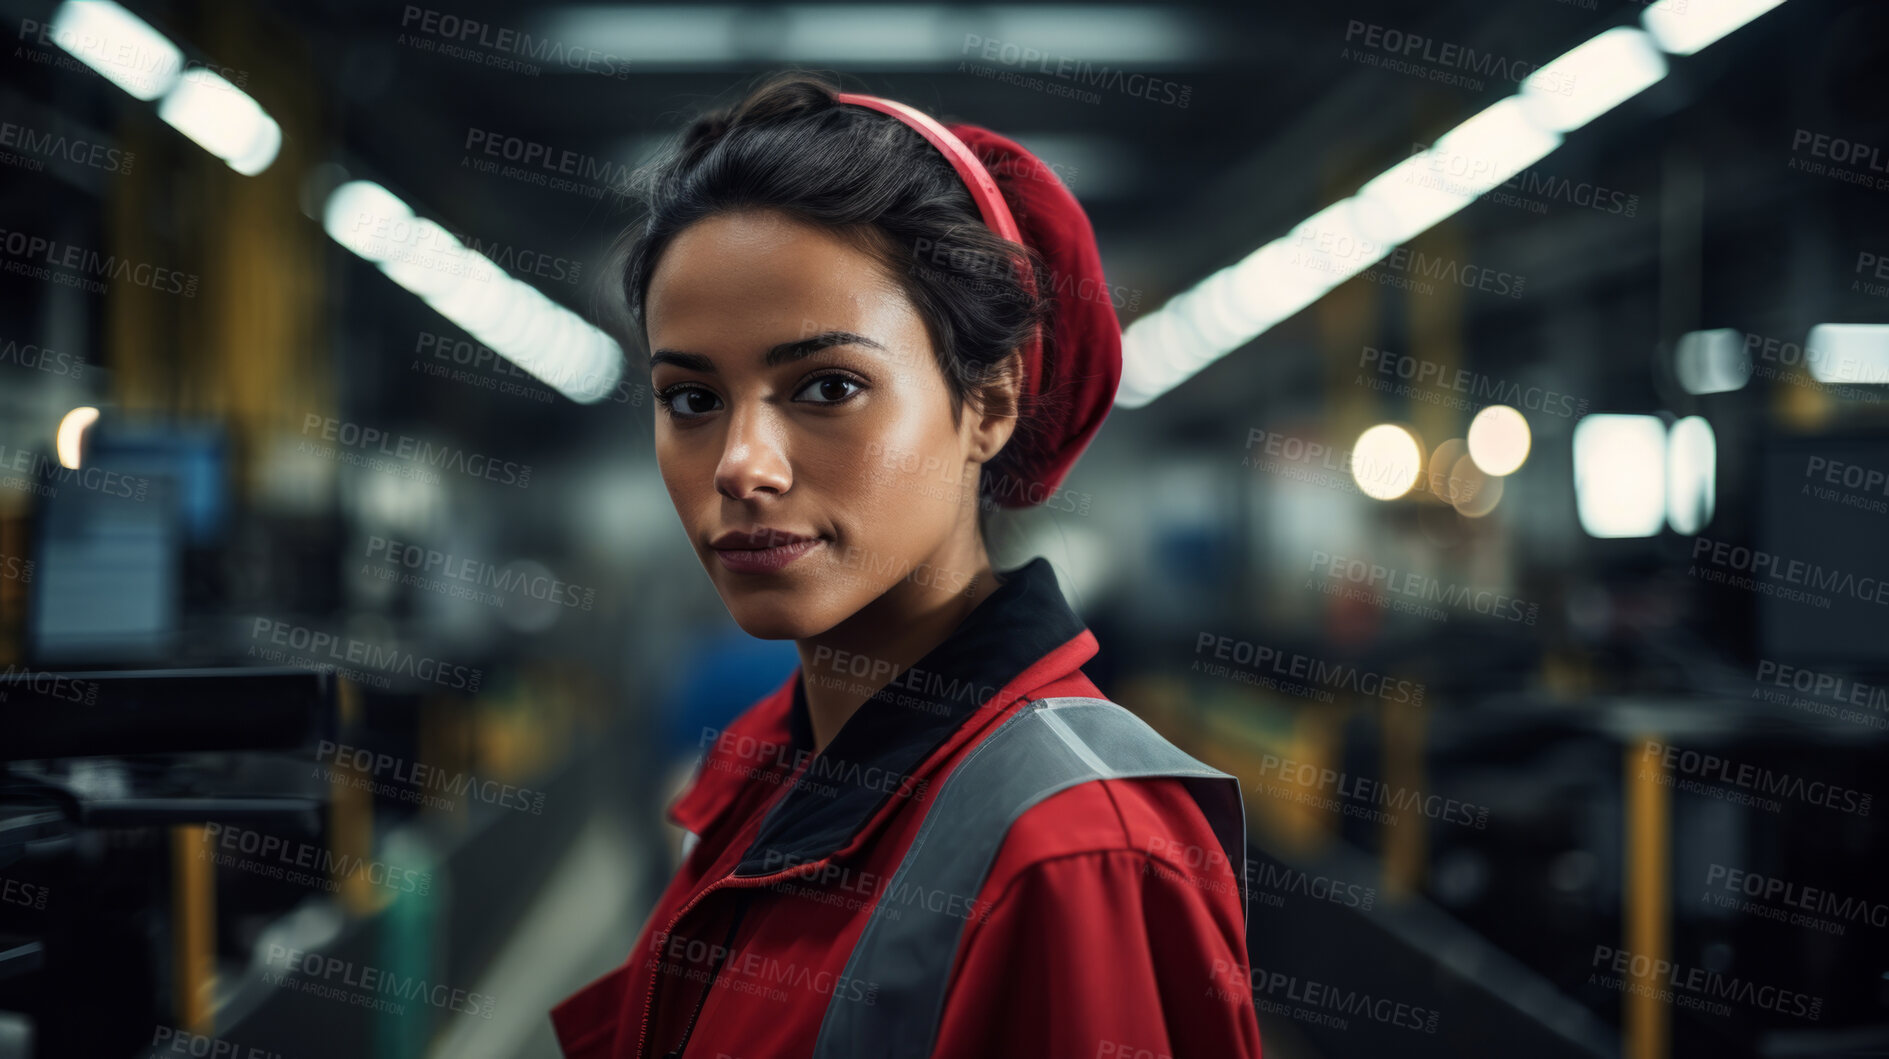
x,y
1022,200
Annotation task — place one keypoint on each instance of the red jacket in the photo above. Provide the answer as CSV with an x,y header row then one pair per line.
x,y
1109,926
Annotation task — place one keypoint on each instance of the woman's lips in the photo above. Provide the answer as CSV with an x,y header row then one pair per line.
x,y
765,560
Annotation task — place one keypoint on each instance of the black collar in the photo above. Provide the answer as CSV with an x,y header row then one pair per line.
x,y
874,753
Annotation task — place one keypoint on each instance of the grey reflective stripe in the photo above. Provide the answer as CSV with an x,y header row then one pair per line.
x,y
1048,746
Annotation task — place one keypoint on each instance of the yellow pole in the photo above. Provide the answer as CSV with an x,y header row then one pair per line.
x,y
1406,845
351,819
1647,909
193,929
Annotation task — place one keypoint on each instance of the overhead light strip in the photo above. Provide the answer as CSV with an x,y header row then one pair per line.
x,y
1239,303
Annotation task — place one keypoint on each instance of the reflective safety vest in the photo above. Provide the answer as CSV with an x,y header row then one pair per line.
x,y
1048,746
1034,914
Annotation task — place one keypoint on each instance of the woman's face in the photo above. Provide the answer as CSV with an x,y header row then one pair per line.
x,y
798,399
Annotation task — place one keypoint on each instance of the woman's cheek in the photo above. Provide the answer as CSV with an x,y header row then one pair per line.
x,y
682,475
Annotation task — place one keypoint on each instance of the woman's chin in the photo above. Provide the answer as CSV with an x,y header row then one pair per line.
x,y
775,616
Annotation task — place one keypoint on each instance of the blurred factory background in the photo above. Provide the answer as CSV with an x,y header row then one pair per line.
x,y
1497,487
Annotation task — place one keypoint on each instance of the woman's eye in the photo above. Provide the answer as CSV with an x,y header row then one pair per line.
x,y
830,389
679,401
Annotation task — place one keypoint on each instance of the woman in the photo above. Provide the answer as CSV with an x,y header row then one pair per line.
x,y
935,837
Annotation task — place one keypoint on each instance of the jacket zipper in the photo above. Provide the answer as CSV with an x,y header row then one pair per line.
x,y
729,881
727,948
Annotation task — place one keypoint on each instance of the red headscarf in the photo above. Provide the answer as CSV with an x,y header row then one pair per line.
x,y
1033,207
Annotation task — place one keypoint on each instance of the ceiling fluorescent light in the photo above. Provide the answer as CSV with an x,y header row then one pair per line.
x,y
1682,27
122,47
1038,39
1848,353
222,119
1592,79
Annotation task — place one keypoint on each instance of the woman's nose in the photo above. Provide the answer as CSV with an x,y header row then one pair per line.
x,y
754,455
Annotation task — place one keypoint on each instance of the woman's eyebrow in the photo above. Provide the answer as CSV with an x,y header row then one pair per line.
x,y
780,354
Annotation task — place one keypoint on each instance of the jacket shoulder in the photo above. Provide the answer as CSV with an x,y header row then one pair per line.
x,y
1154,817
1140,856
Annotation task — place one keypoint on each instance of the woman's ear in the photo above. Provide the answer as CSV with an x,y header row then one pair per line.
x,y
990,416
